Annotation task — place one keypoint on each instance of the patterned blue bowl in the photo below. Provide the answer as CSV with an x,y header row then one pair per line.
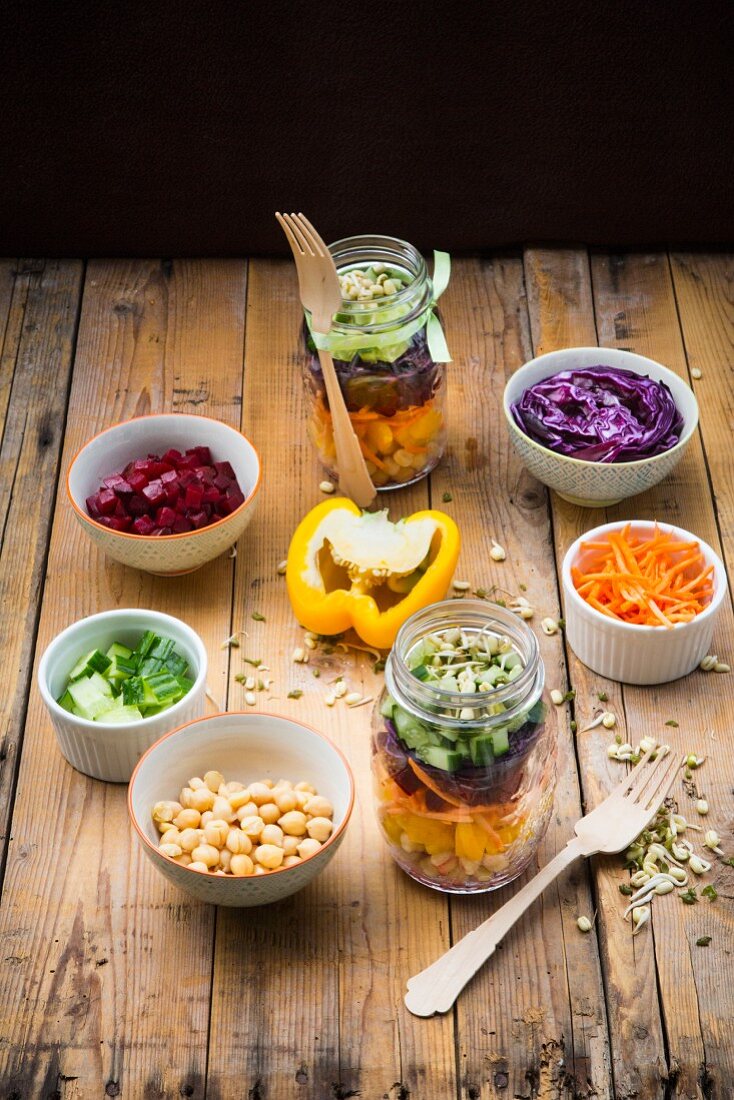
x,y
597,484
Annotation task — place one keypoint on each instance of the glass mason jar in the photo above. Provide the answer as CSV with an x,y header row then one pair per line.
x,y
463,780
393,389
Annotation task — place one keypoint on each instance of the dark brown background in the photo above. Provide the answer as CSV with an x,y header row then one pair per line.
x,y
178,128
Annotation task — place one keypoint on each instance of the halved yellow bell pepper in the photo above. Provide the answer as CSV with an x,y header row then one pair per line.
x,y
348,569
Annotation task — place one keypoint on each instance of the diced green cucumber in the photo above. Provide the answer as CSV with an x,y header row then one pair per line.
x,y
94,661
146,643
118,672
500,740
118,716
136,692
178,666
387,707
482,749
92,696
448,760
420,672
66,701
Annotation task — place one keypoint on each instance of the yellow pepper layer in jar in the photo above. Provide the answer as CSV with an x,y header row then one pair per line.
x,y
346,568
396,448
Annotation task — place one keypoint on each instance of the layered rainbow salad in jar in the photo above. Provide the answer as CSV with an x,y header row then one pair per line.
x,y
463,761
389,354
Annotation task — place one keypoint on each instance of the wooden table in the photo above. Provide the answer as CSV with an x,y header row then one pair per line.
x,y
113,983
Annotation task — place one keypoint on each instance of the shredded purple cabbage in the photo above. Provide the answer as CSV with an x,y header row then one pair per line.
x,y
600,414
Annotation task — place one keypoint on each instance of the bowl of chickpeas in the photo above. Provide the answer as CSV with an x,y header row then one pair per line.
x,y
241,809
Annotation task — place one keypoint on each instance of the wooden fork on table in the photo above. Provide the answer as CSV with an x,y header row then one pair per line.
x,y
611,827
321,296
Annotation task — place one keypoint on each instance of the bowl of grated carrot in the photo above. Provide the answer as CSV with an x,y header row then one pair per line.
x,y
641,600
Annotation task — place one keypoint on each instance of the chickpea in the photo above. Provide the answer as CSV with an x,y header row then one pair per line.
x,y
318,806
253,826
225,859
196,783
233,787
308,847
259,870
269,856
272,834
220,872
302,798
171,850
184,859
291,861
241,864
214,781
283,785
215,832
196,865
170,836
260,793
222,809
303,786
319,828
238,843
185,797
290,845
206,817
267,783
202,799
187,819
238,799
190,838
206,854
293,823
248,810
285,801
164,812
269,812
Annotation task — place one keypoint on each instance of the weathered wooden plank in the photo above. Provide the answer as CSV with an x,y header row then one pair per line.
x,y
562,315
319,978
36,366
535,1013
108,987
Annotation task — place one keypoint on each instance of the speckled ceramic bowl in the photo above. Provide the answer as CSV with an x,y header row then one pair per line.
x,y
597,484
247,747
111,450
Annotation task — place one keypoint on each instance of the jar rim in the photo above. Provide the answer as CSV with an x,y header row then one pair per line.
x,y
383,248
422,699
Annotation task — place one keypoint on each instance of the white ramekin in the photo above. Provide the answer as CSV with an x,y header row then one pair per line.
x,y
110,752
627,652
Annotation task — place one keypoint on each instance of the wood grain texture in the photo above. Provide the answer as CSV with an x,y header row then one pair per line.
x,y
324,970
38,320
551,1031
94,997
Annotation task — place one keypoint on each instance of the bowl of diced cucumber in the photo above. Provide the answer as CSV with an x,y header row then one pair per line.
x,y
115,682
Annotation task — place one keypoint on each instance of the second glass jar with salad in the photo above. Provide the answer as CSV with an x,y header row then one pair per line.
x,y
389,354
463,761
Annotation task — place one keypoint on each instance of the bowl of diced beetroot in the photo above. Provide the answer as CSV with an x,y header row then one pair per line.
x,y
165,493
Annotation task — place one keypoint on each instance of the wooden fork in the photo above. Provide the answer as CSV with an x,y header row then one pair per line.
x,y
321,296
611,827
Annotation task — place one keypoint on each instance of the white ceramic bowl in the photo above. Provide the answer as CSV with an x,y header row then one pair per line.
x,y
247,747
110,752
627,652
597,484
110,451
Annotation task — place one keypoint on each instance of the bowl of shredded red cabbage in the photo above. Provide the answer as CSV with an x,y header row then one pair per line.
x,y
600,413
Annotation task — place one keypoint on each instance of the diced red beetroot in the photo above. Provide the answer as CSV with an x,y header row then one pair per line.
x,y
203,454
118,523
165,517
143,525
137,481
154,492
174,493
205,474
194,496
106,501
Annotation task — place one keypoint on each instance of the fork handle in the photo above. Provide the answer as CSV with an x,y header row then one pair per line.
x,y
436,988
354,478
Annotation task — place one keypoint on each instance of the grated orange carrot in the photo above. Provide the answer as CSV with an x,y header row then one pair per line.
x,y
655,580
